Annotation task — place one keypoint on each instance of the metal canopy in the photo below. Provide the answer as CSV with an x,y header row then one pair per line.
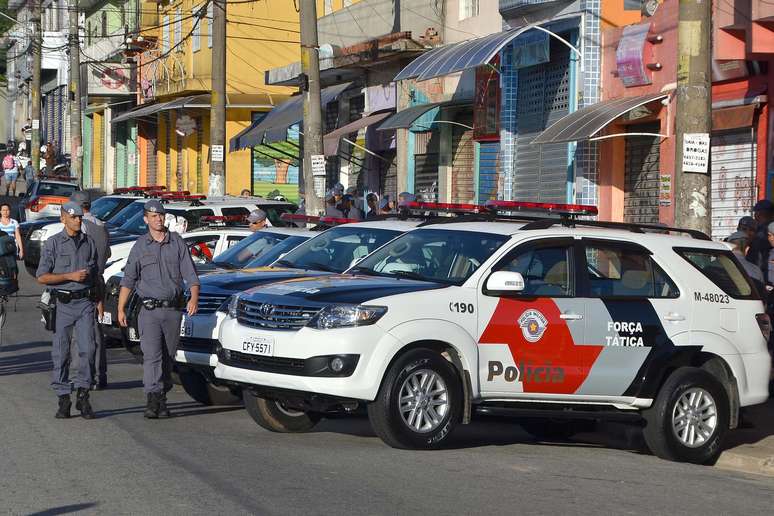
x,y
459,56
194,101
404,118
274,127
331,140
588,121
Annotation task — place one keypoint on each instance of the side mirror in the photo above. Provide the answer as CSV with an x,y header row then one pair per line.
x,y
502,283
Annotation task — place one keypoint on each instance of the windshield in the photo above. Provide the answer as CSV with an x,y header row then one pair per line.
x,y
269,257
56,189
248,249
127,213
136,224
192,216
337,249
103,206
435,255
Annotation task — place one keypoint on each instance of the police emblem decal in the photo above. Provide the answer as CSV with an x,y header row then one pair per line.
x,y
533,325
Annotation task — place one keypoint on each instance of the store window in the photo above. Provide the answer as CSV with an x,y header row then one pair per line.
x,y
486,111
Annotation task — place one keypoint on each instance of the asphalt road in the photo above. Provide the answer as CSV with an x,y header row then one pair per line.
x,y
216,460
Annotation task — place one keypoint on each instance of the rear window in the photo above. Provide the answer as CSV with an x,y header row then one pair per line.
x,y
722,269
56,189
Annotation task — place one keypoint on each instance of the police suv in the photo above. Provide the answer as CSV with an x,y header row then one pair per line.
x,y
330,252
539,317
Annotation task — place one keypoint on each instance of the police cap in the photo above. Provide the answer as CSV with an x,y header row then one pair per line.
x,y
154,206
73,209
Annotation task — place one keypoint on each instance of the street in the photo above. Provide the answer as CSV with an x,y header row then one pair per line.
x,y
215,459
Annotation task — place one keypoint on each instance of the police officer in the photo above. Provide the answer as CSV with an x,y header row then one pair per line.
x,y
257,220
95,228
68,264
158,264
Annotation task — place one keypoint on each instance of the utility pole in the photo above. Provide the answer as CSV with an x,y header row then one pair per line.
x,y
694,115
37,49
217,184
76,157
310,86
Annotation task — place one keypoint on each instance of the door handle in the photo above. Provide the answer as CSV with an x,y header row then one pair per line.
x,y
571,317
674,317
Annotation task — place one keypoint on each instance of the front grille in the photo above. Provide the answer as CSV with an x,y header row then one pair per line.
x,y
209,303
277,317
197,345
259,363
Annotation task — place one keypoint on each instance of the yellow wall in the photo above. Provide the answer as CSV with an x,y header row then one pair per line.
x,y
98,134
614,15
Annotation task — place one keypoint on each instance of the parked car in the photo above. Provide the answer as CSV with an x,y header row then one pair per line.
x,y
45,198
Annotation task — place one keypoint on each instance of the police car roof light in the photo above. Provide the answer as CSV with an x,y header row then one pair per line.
x,y
299,217
558,208
177,193
173,197
333,221
224,218
448,207
133,189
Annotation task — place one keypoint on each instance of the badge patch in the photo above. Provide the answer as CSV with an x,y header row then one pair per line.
x,y
533,325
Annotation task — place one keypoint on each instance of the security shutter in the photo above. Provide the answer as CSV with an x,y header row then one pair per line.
x,y
151,138
540,171
332,167
488,155
98,147
389,173
463,158
199,157
179,161
119,132
733,158
641,175
167,153
426,165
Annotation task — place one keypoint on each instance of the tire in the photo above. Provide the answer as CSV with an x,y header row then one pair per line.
x,y
273,416
397,427
555,429
685,386
205,392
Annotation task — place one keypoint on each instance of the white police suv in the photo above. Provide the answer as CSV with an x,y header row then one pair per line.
x,y
545,318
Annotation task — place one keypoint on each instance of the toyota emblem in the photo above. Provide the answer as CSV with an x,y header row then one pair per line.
x,y
266,310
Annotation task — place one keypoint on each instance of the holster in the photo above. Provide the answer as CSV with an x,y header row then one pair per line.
x,y
47,307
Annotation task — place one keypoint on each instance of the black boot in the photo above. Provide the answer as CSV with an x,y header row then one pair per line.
x,y
152,409
163,410
83,404
64,407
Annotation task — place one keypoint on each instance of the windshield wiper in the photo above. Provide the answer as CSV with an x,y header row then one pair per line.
x,y
409,275
224,265
285,263
366,271
319,267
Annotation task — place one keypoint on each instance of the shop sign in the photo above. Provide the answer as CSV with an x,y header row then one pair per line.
x,y
109,79
630,56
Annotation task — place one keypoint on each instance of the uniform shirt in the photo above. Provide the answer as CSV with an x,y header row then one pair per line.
x,y
157,269
63,253
99,234
332,211
91,218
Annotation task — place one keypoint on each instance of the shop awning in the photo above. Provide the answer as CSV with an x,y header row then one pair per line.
x,y
274,127
588,121
331,140
733,117
458,56
404,118
201,101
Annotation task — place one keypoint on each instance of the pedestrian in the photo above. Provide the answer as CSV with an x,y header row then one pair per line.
x,y
372,200
758,253
385,205
331,208
25,163
50,156
348,208
158,264
405,197
739,242
11,227
68,264
95,228
10,171
338,192
245,193
257,220
747,225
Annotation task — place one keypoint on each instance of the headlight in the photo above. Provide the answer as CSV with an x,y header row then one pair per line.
x,y
341,316
229,306
38,234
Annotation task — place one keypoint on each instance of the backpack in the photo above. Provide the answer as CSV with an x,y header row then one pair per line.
x,y
9,271
8,163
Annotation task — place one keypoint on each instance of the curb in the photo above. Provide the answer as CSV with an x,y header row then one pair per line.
x,y
748,458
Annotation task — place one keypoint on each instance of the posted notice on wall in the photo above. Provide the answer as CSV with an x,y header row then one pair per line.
x,y
217,153
36,124
696,152
318,165
664,189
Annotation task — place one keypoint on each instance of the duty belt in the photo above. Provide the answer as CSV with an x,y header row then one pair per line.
x,y
65,296
150,303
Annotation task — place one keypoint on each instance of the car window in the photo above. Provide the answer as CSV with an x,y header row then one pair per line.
x,y
546,270
192,217
127,213
434,255
271,255
202,247
274,214
56,189
136,224
615,271
103,206
338,248
722,269
233,240
235,212
248,249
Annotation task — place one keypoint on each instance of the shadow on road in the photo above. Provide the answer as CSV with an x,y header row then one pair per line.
x,y
38,362
182,409
65,509
24,345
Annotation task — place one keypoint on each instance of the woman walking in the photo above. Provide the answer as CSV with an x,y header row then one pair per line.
x,y
11,227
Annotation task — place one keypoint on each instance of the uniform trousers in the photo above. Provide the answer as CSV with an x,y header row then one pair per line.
x,y
75,318
159,334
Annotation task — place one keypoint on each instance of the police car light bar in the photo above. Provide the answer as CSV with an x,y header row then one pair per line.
x,y
224,218
139,189
334,221
299,217
178,193
172,197
443,207
558,208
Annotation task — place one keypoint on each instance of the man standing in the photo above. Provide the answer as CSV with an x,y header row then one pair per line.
x,y
95,228
158,264
68,263
763,211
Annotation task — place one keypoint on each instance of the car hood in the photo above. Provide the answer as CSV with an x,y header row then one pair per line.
x,y
336,288
231,282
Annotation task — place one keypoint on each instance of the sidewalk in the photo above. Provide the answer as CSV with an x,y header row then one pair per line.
x,y
751,450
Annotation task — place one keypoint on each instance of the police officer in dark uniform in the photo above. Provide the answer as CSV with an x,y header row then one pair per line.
x,y
158,264
68,265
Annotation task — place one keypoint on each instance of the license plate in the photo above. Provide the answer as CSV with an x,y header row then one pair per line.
x,y
259,346
107,318
186,327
